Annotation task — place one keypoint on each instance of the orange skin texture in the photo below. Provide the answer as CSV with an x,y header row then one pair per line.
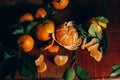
x,y
61,4
26,42
40,13
43,31
26,17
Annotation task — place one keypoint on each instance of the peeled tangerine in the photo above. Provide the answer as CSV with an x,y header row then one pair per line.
x,y
67,36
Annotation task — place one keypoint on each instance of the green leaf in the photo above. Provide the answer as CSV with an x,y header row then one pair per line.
x,y
98,35
17,29
30,26
49,6
54,12
116,66
115,73
105,40
93,29
69,74
102,19
82,73
28,68
7,56
82,33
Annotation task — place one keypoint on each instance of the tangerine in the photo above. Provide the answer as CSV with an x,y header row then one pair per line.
x,y
26,17
67,36
40,13
60,4
44,30
26,42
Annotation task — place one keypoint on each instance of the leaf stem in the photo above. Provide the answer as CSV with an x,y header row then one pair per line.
x,y
74,58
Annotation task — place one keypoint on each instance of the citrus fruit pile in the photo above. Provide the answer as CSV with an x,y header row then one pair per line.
x,y
43,30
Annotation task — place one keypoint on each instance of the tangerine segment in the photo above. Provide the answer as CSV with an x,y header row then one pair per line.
x,y
26,42
93,47
60,4
40,13
96,54
54,48
26,17
39,60
102,24
92,42
60,60
99,29
42,67
74,46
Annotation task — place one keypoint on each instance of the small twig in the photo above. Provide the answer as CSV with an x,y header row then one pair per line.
x,y
75,58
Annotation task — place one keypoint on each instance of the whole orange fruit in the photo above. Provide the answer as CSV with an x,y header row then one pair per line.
x,y
40,13
26,17
44,30
26,42
60,4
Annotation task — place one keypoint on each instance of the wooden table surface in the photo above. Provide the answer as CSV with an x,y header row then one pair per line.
x,y
80,11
